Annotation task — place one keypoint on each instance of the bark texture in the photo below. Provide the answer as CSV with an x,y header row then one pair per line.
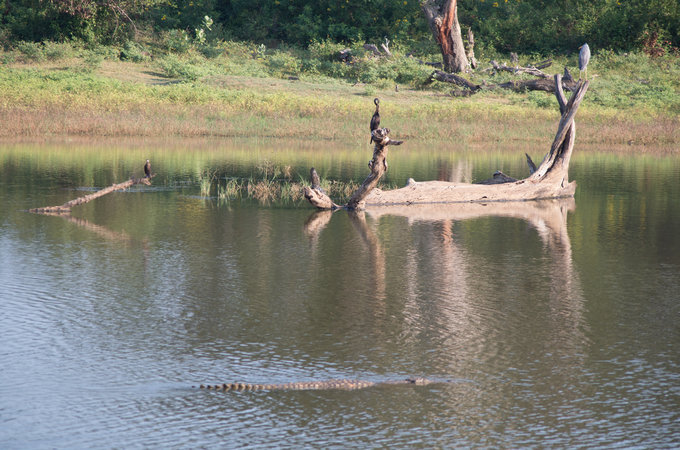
x,y
442,17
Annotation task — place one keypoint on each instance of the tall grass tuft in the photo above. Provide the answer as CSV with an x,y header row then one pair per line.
x,y
205,181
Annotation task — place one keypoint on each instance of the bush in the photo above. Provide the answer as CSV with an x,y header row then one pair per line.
x,y
176,41
134,52
31,51
174,67
284,63
55,50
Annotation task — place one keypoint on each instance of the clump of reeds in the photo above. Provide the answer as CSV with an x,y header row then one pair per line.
x,y
273,185
205,181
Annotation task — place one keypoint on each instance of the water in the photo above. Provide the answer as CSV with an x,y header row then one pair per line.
x,y
555,323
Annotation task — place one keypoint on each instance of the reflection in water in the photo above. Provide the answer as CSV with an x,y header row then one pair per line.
x,y
549,333
377,256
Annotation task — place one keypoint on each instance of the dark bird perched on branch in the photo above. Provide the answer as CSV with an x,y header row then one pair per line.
x,y
316,181
375,120
147,169
583,58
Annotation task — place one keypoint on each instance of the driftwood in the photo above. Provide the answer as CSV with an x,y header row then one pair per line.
x,y
446,77
545,82
549,180
386,47
378,166
66,207
372,48
531,70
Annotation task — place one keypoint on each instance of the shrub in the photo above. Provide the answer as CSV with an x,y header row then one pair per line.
x,y
284,63
134,52
176,41
31,51
56,50
174,67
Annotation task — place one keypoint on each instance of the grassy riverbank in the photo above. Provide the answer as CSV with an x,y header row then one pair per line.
x,y
60,90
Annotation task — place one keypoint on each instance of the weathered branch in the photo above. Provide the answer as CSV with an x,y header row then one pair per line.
x,y
386,47
528,85
316,195
563,143
544,83
455,79
378,166
372,48
549,180
66,207
517,69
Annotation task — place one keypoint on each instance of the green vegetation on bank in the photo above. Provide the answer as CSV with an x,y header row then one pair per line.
x,y
523,26
236,89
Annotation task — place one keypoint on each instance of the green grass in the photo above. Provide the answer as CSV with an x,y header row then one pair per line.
x,y
233,89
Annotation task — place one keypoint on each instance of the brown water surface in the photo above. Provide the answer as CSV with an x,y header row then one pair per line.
x,y
553,323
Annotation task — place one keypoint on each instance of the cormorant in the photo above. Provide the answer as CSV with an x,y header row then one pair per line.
x,y
147,169
375,120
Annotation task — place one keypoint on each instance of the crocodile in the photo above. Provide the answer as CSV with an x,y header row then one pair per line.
x,y
347,385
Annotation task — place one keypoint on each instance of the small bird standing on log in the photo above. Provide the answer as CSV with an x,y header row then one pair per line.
x,y
583,58
375,120
147,169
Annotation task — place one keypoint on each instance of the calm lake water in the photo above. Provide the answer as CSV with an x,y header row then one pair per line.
x,y
554,324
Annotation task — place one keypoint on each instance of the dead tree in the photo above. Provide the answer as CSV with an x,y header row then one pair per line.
x,y
471,49
377,165
544,82
549,180
66,207
442,17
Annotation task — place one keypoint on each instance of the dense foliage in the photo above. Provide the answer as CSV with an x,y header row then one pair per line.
x,y
542,26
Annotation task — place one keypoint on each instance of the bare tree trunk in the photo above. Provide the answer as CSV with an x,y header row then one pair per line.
x,y
471,49
442,16
378,166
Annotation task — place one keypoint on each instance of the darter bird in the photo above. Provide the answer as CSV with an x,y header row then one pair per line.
x,y
375,120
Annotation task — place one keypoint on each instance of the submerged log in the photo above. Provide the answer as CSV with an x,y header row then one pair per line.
x,y
66,207
549,180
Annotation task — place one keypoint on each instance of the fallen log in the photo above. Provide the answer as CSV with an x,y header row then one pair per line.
x,y
66,207
549,180
544,82
446,77
535,71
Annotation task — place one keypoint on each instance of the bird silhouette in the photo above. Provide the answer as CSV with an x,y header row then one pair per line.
x,y
375,120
